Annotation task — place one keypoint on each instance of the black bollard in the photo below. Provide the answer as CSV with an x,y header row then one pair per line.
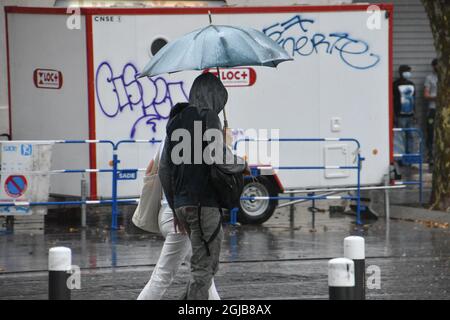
x,y
354,249
341,279
59,267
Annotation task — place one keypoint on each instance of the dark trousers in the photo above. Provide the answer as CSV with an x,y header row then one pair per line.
x,y
202,227
407,122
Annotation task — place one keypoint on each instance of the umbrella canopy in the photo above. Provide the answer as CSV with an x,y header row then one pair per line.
x,y
217,46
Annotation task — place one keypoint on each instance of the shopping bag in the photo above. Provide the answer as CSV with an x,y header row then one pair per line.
x,y
146,214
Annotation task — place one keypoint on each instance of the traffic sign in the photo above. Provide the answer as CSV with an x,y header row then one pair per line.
x,y
16,186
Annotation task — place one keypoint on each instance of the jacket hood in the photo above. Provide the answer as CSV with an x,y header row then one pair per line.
x,y
177,109
208,92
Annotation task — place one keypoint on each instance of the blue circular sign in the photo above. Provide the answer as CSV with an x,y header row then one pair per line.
x,y
15,186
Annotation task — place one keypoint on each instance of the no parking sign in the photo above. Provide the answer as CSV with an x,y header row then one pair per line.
x,y
24,176
16,186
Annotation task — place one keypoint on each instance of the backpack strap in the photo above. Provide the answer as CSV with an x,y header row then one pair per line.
x,y
215,233
206,242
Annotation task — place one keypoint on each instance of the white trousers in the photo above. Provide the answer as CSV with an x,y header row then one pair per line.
x,y
176,250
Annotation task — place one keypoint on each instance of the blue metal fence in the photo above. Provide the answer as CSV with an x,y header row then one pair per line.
x,y
116,171
412,158
314,197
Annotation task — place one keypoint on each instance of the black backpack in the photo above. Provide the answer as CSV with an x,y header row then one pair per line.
x,y
228,186
227,180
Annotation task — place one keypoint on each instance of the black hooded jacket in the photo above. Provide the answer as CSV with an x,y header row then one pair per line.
x,y
187,183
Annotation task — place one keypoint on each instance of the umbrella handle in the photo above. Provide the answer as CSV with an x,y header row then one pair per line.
x,y
225,121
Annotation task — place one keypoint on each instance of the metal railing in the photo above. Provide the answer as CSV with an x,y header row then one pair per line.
x,y
116,171
312,196
412,158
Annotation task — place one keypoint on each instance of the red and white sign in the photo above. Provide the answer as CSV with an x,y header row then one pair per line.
x,y
236,77
47,78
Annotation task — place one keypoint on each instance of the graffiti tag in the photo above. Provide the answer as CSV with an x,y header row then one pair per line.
x,y
294,35
149,98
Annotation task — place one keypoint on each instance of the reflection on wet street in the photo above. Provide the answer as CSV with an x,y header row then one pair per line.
x,y
281,259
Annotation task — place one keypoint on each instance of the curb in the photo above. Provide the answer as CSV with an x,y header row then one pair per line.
x,y
436,219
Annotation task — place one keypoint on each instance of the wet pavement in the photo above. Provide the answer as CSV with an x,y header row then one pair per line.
x,y
283,259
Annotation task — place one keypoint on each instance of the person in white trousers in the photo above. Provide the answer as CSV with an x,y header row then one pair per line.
x,y
176,250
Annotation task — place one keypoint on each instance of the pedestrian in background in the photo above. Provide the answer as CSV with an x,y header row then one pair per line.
x,y
405,106
430,94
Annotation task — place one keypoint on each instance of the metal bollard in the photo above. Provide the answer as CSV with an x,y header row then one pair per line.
x,y
233,216
59,267
354,249
341,279
291,211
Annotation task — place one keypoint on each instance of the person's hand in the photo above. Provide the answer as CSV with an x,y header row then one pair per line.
x,y
178,226
149,167
247,171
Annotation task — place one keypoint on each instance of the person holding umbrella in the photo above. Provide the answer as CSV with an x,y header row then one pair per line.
x,y
207,91
188,186
176,248
190,191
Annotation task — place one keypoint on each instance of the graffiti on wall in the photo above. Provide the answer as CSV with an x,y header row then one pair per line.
x,y
120,91
295,36
148,99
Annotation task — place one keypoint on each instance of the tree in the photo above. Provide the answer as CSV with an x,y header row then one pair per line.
x,y
439,14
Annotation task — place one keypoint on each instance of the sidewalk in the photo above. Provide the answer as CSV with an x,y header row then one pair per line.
x,y
279,260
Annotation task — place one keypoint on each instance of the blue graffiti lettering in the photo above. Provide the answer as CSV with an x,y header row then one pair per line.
x,y
149,98
353,52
